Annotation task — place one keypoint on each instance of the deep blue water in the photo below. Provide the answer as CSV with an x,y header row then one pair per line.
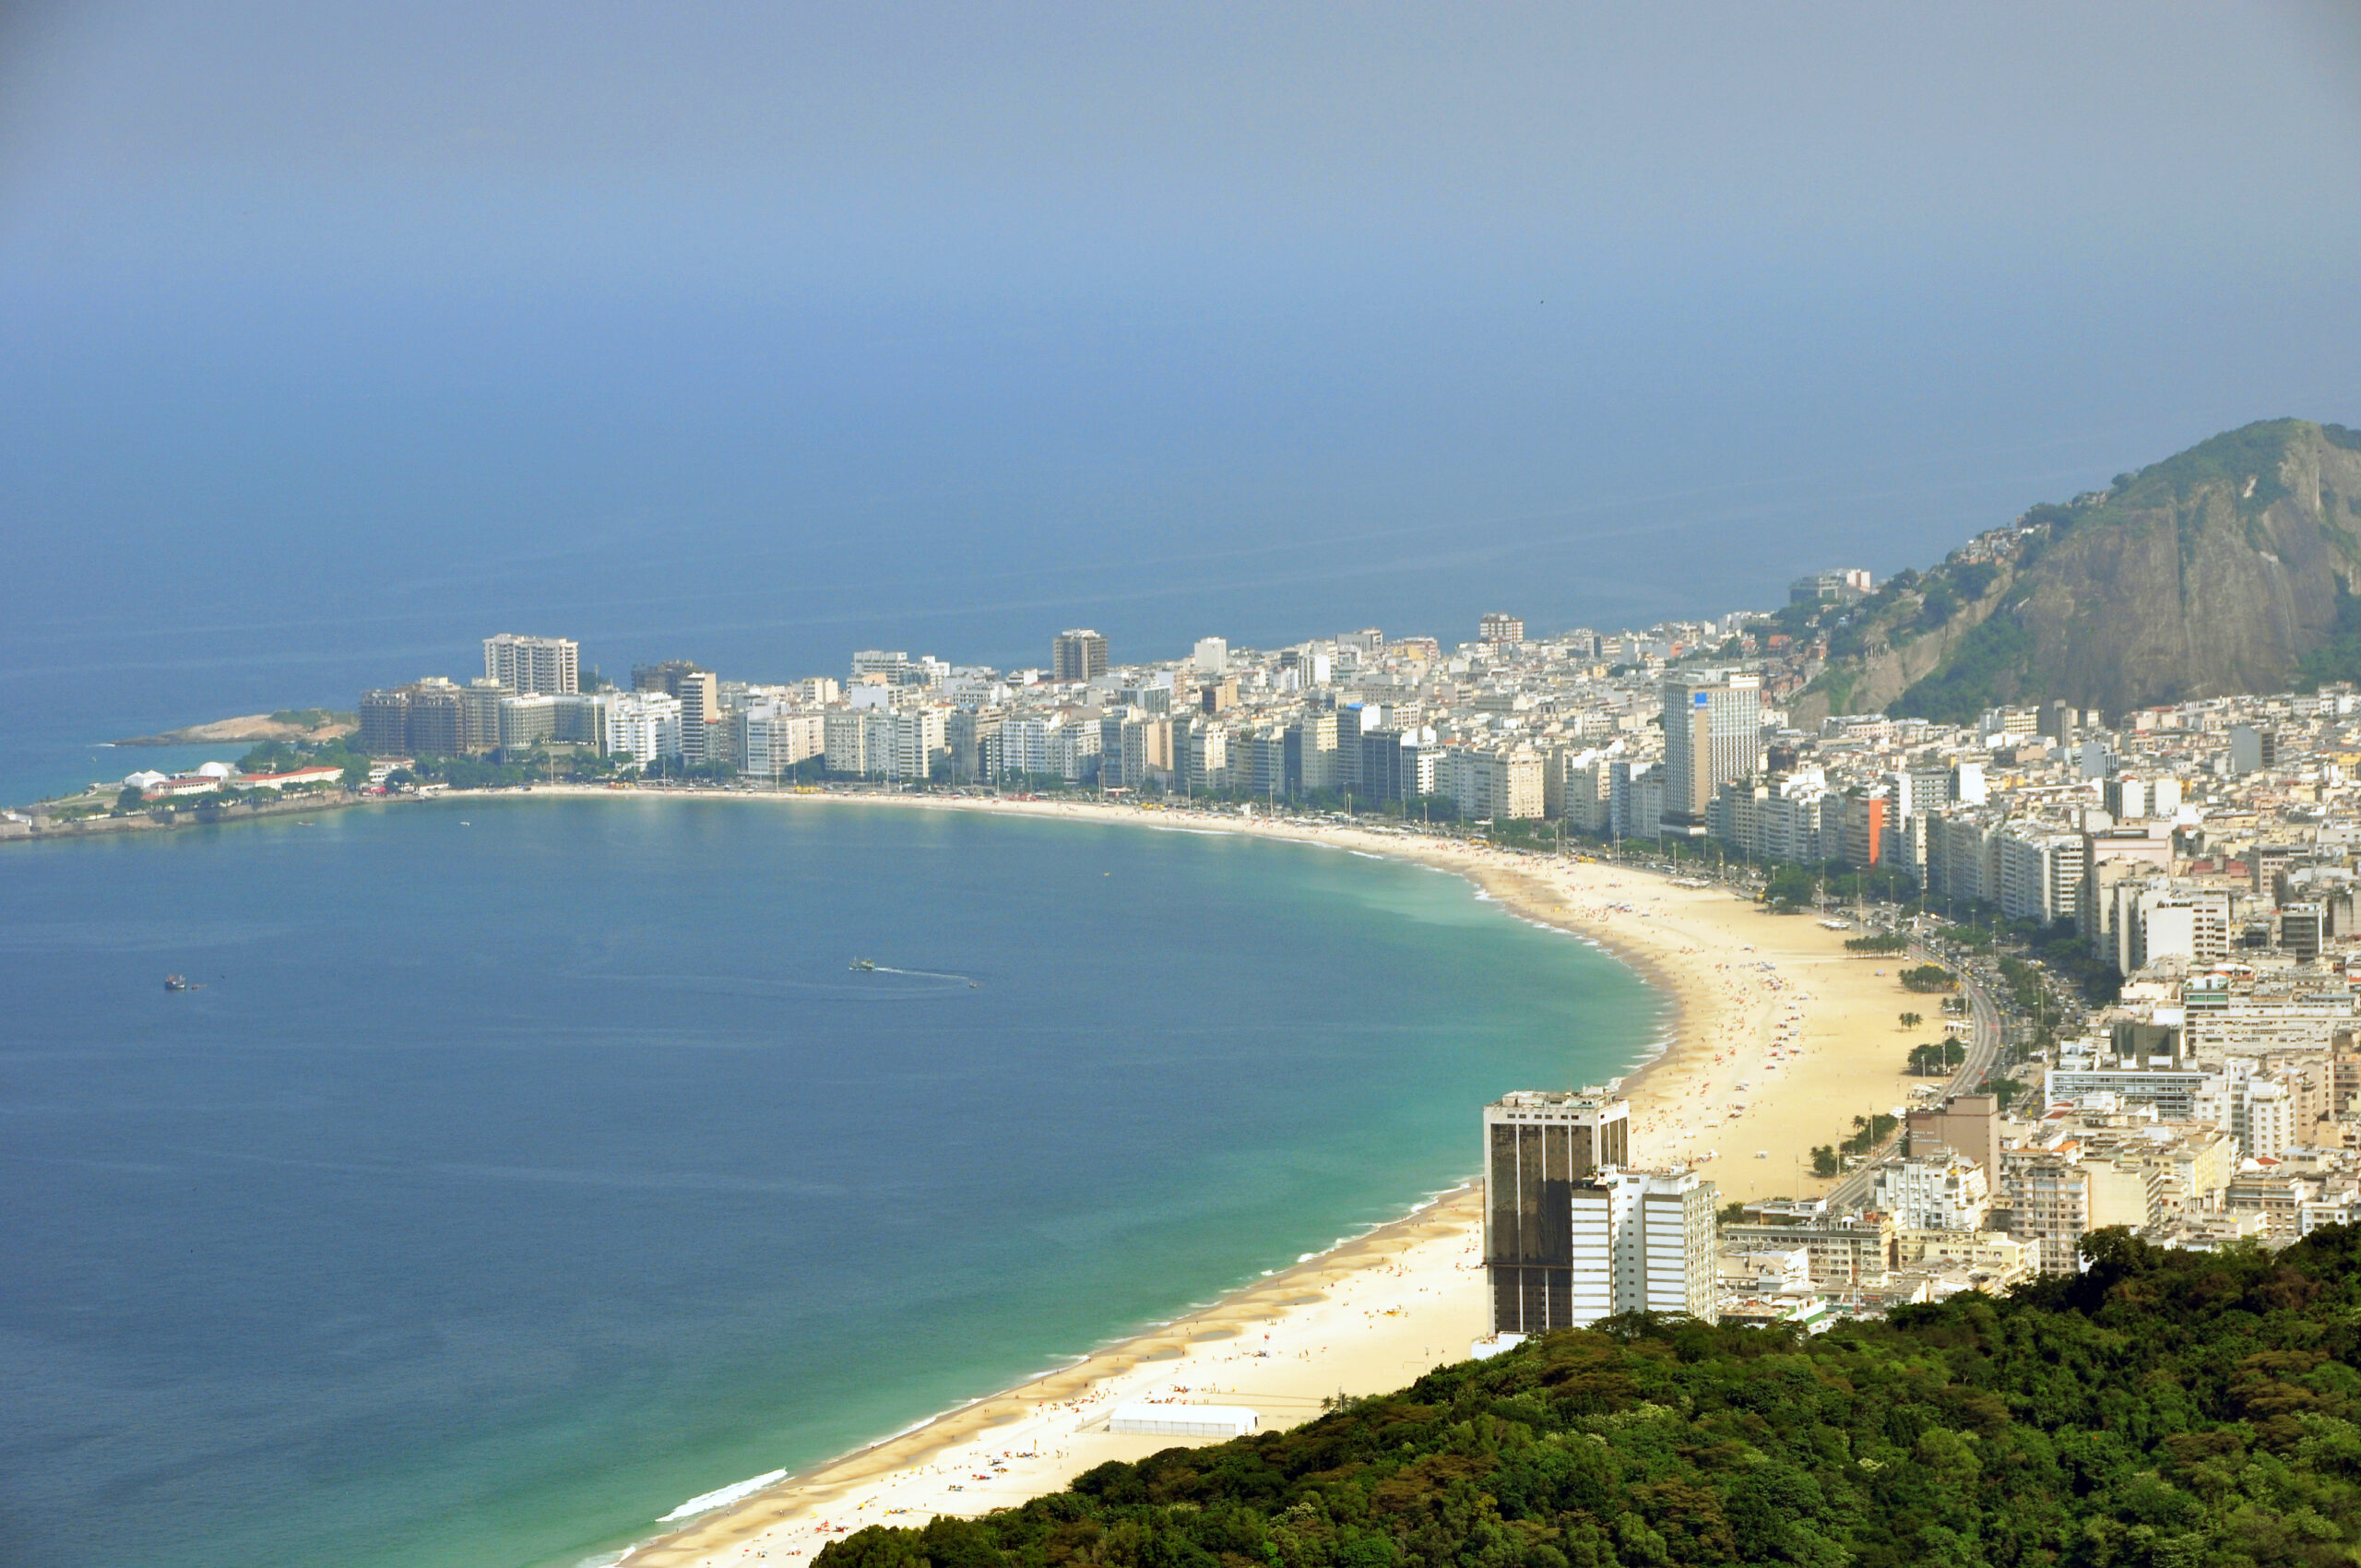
x,y
526,1167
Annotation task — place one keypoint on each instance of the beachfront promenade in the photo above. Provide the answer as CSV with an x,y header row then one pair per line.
x,y
1982,1055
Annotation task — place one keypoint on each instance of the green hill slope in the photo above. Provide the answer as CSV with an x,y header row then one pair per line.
x,y
2165,1408
2215,571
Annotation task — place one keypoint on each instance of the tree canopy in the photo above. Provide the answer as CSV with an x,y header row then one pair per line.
x,y
2164,1408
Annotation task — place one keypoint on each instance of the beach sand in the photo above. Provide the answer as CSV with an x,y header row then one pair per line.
x,y
1777,1039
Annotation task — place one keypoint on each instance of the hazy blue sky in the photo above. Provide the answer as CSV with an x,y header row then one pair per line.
x,y
332,337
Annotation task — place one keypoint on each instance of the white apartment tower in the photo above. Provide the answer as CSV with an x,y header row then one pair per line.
x,y
1641,1241
1711,726
549,666
642,726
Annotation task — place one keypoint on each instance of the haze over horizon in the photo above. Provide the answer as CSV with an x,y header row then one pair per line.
x,y
331,342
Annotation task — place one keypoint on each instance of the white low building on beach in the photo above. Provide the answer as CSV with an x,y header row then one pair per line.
x,y
1184,1420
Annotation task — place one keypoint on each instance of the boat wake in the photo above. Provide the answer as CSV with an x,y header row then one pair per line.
x,y
865,967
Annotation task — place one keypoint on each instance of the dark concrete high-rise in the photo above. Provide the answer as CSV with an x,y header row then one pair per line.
x,y
1536,1147
1077,655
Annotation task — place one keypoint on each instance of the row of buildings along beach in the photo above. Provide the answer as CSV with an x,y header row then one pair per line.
x,y
2199,857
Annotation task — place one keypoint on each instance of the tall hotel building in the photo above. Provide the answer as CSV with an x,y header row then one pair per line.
x,y
1713,728
1570,1237
1077,655
549,666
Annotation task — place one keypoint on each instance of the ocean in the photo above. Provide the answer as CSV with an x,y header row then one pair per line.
x,y
526,1167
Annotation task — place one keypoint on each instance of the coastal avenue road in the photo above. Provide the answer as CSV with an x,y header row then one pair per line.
x,y
1982,1055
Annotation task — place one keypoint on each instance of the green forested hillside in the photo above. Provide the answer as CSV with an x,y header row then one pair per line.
x,y
2165,1408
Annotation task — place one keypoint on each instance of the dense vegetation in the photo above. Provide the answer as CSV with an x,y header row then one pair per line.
x,y
316,717
1789,888
2231,460
1928,977
2163,1410
2339,659
1868,1132
281,756
1988,667
1936,1057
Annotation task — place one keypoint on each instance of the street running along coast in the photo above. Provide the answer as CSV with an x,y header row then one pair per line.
x,y
1773,1037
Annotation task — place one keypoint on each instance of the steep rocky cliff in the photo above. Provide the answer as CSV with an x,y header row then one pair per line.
x,y
2215,571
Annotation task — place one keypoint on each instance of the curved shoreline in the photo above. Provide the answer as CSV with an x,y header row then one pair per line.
x,y
1064,1390
1439,1237
1444,1216
1744,996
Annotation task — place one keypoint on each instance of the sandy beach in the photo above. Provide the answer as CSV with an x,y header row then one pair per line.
x,y
1777,1038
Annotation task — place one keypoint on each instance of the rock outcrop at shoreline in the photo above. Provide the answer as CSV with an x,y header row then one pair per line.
x,y
312,724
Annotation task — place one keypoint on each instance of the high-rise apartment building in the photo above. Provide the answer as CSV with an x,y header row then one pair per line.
x,y
665,677
424,718
550,666
384,722
1078,654
1659,1238
1398,764
699,694
890,666
1210,655
1315,757
917,746
1491,785
965,733
1712,728
480,702
1146,750
1203,759
1499,627
776,736
1536,1146
844,739
642,725
524,721
700,717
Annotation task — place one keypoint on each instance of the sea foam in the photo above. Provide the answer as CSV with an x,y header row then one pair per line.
x,y
721,1497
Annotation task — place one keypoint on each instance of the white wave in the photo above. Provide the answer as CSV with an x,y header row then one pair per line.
x,y
914,1426
722,1497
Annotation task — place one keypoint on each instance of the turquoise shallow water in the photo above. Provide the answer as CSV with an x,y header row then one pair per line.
x,y
528,1166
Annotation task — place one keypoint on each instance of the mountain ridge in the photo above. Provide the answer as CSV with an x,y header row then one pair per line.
x,y
2222,568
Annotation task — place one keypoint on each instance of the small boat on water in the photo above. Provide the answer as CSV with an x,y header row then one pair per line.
x,y
863,965
181,983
